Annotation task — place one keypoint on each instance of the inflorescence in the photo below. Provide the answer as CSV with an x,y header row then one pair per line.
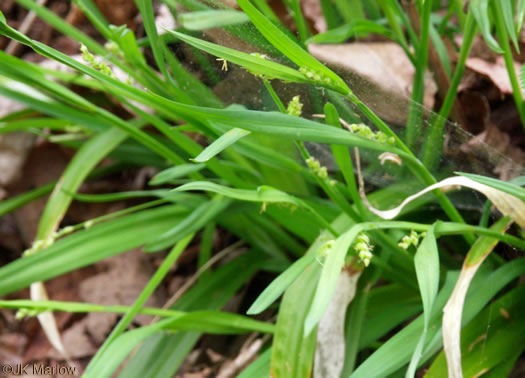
x,y
97,64
363,248
412,239
365,132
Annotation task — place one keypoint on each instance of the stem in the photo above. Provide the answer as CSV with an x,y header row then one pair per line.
x,y
294,8
265,9
305,155
330,191
434,142
390,15
350,10
274,95
458,7
406,22
76,307
415,114
344,160
509,61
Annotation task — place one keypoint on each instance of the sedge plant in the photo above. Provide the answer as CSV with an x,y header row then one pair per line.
x,y
358,290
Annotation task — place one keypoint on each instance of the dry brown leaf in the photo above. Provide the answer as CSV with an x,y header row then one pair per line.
x,y
379,73
495,71
312,11
45,163
14,147
508,160
76,341
122,282
476,111
12,346
117,12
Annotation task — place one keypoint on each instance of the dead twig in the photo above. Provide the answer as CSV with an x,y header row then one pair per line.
x,y
247,353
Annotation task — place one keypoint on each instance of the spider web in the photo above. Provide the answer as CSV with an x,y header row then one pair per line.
x,y
461,151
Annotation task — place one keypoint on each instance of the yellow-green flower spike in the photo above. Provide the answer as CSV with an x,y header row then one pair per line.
x,y
412,239
295,107
363,249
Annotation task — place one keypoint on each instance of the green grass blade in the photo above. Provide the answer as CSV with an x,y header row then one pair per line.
x,y
280,284
194,222
343,32
202,20
122,346
289,48
508,18
76,172
146,10
508,57
253,63
201,321
294,7
219,145
11,204
520,14
263,194
163,355
329,275
330,13
100,357
36,123
482,350
426,262
95,16
292,353
397,351
480,9
219,323
453,311
167,175
62,25
350,9
88,246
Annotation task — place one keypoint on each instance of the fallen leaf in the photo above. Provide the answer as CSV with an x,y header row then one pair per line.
x,y
14,147
476,111
122,282
312,11
76,341
495,146
12,347
495,71
379,73
117,12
